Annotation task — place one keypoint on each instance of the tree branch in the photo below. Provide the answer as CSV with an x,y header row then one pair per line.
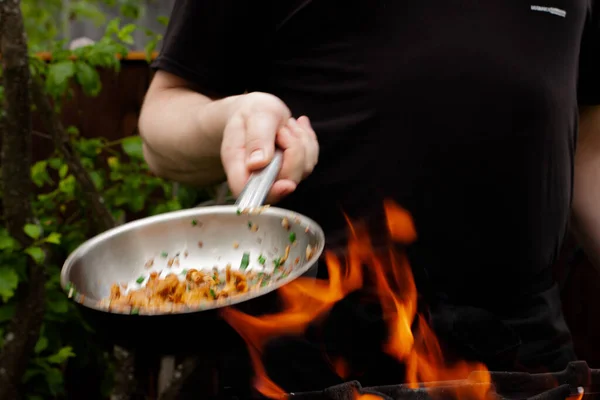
x,y
125,384
62,142
184,370
23,330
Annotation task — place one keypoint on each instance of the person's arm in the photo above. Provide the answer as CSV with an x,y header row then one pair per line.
x,y
198,124
585,221
182,131
586,195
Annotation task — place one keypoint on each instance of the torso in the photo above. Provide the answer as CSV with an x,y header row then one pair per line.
x,y
464,112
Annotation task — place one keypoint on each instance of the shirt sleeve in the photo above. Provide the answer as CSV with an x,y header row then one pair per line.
x,y
212,44
589,59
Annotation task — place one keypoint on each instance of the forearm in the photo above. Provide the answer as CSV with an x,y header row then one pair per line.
x,y
182,133
586,200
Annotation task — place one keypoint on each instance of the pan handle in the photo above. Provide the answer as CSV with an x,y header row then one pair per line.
x,y
256,190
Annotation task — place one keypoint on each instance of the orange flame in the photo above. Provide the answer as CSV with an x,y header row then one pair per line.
x,y
368,396
579,395
306,299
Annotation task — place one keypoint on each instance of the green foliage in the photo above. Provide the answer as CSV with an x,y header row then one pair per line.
x,y
62,216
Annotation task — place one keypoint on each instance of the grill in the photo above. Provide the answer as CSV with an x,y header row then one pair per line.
x,y
575,380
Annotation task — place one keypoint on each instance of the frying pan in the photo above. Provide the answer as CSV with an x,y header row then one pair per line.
x,y
199,238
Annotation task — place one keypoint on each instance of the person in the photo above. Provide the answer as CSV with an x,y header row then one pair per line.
x,y
466,113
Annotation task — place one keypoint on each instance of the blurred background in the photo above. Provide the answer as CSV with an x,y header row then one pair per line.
x,y
89,60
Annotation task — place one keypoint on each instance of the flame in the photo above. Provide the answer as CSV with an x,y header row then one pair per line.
x,y
579,395
306,299
367,396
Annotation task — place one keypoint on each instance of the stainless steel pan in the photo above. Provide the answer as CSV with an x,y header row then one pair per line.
x,y
200,238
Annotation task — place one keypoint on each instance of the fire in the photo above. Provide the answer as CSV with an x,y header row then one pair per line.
x,y
306,299
368,396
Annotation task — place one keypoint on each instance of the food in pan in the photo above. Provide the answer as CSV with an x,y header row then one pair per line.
x,y
173,290
190,288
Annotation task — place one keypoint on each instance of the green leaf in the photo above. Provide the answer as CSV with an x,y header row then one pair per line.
x,y
58,76
97,179
67,185
132,146
7,242
36,253
149,48
41,345
113,26
9,280
55,163
53,238
163,20
33,231
62,172
113,162
130,10
61,356
57,303
32,373
54,379
72,130
88,78
39,173
87,11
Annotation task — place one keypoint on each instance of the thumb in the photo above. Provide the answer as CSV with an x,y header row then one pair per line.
x,y
261,129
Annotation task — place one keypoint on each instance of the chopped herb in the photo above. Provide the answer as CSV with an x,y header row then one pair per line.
x,y
213,294
260,275
277,262
70,289
194,222
164,254
184,272
140,279
262,260
135,311
245,261
292,237
238,212
250,224
264,283
215,277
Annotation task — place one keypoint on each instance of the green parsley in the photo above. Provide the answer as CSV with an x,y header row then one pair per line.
x,y
245,261
140,279
292,237
262,260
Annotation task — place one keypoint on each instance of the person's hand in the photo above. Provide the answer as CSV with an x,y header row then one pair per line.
x,y
257,123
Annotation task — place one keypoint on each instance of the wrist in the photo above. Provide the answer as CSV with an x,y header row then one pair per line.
x,y
213,118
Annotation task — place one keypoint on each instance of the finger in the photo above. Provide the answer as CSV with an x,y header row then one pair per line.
x,y
293,155
304,122
309,139
233,155
280,189
261,129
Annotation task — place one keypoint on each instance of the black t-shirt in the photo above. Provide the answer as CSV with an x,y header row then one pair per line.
x,y
464,112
